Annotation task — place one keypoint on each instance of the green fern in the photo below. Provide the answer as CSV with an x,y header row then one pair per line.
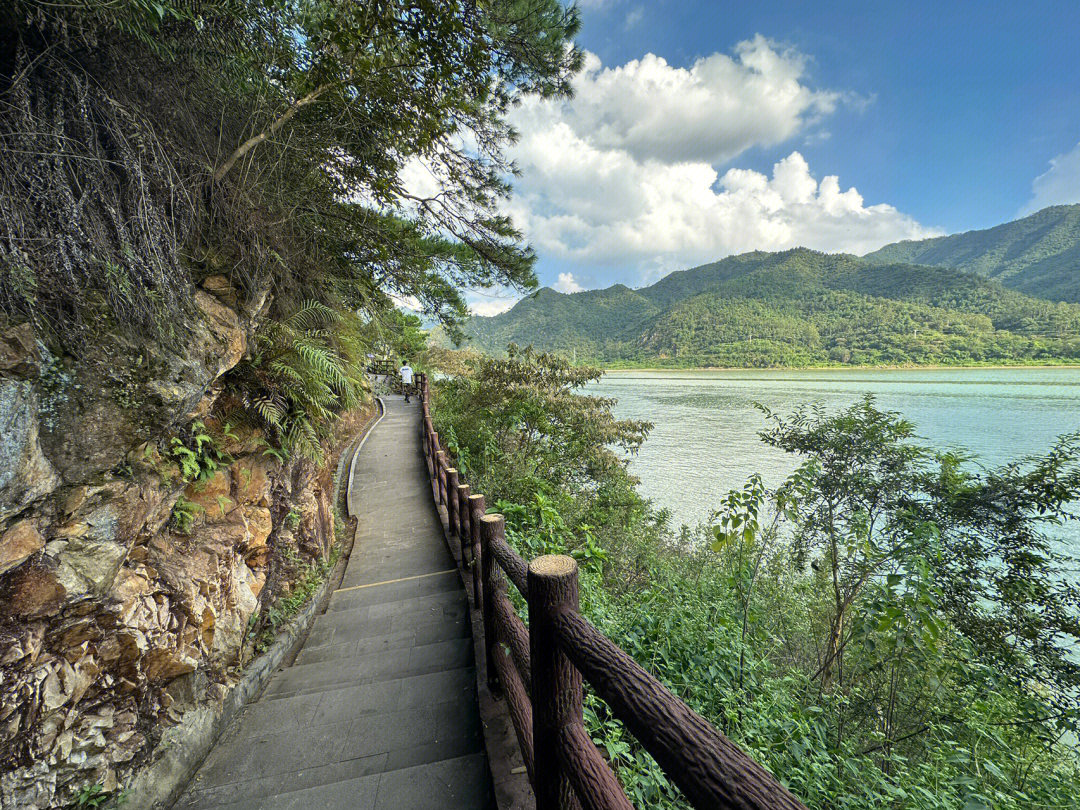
x,y
300,379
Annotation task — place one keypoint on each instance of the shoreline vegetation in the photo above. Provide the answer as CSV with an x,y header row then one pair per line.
x,y
884,629
614,369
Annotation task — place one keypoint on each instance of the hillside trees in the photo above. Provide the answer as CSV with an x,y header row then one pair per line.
x,y
794,308
150,145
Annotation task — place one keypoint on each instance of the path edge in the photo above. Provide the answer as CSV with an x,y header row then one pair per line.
x,y
183,747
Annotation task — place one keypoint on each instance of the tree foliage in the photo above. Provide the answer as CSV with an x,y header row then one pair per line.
x,y
150,145
891,627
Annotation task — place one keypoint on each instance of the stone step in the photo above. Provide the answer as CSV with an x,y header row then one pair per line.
x,y
434,629
405,590
430,717
453,773
371,668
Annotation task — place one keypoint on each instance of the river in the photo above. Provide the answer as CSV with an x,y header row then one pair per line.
x,y
705,440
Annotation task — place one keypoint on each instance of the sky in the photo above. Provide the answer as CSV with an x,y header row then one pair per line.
x,y
701,129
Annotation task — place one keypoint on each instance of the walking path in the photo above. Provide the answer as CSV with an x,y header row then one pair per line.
x,y
379,710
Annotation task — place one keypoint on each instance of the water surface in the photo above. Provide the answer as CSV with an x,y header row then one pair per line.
x,y
705,440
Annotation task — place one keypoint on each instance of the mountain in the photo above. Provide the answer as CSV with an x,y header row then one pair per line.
x,y
794,308
1038,255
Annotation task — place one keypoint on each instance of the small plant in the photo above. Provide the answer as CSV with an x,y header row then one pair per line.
x,y
274,452
95,797
200,456
183,515
312,575
292,520
222,502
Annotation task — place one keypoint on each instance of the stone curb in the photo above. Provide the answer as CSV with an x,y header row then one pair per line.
x,y
183,747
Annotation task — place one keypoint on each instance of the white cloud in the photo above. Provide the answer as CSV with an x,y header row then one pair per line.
x,y
567,284
1058,185
489,307
628,172
712,111
633,17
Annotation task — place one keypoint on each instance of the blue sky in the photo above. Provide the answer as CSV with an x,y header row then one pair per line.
x,y
702,129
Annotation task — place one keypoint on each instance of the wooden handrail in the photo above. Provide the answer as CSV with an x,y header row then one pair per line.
x,y
515,567
539,671
709,769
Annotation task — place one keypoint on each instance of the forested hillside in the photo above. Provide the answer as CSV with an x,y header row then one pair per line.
x,y
798,307
1038,255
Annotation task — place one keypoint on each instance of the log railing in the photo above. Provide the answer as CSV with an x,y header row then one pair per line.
x,y
539,670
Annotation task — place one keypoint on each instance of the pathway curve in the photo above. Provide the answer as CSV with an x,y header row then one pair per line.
x,y
379,709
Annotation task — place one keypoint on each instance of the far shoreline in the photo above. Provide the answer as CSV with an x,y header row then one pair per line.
x,y
875,367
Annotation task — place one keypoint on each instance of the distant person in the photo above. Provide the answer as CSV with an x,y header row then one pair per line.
x,y
406,377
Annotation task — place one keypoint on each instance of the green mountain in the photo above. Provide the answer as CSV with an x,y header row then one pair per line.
x,y
794,308
1038,255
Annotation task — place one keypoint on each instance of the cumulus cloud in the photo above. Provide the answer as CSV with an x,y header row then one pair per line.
x,y
712,111
629,171
1058,185
491,306
567,284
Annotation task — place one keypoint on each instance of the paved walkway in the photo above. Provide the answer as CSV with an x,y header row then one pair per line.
x,y
379,709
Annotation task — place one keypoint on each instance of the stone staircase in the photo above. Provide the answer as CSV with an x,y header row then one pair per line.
x,y
379,709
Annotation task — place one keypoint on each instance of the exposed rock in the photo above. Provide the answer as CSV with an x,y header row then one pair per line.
x,y
251,475
33,590
213,495
25,474
18,543
165,664
110,623
88,563
101,405
222,289
18,352
259,524
226,335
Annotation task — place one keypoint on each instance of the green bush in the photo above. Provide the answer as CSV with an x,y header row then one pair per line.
x,y
822,625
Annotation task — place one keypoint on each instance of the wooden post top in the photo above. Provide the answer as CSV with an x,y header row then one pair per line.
x,y
553,565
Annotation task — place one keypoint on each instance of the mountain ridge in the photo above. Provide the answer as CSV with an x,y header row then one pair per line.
x,y
797,307
1038,254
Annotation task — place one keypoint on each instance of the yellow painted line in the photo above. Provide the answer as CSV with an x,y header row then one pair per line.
x,y
392,581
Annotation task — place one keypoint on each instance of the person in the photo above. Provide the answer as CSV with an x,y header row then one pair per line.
x,y
406,377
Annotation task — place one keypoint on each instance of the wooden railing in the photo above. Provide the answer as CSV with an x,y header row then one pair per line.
x,y
539,670
385,367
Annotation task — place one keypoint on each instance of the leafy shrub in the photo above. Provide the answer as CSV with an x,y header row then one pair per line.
x,y
826,626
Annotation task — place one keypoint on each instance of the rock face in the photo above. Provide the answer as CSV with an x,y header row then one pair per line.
x,y
113,622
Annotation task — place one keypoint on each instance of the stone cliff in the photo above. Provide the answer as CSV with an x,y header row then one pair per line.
x,y
130,593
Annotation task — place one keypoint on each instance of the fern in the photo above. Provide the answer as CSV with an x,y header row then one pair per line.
x,y
300,379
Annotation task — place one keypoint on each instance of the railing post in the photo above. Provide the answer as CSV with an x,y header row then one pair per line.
x,y
441,467
556,684
464,533
452,501
477,507
429,455
491,527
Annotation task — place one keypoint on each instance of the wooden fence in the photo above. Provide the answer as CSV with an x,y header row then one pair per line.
x,y
539,670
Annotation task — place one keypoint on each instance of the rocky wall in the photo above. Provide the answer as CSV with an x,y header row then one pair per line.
x,y
114,617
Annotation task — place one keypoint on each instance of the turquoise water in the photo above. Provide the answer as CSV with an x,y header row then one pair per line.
x,y
705,438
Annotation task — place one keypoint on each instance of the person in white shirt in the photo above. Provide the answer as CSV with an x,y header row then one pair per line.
x,y
406,377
